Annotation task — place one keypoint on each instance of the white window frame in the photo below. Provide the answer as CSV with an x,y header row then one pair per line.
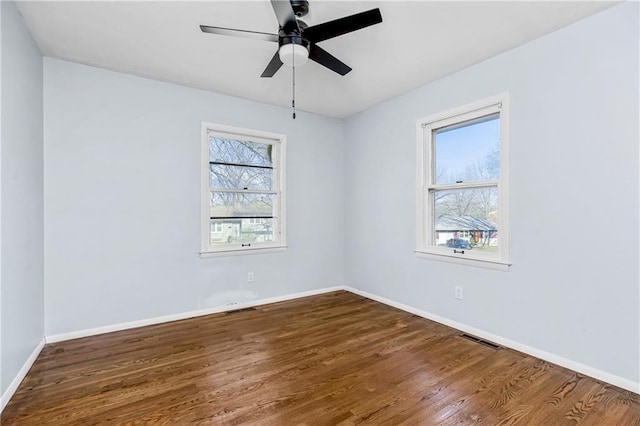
x,y
425,187
278,141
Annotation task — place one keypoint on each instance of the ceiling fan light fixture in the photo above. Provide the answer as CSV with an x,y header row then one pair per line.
x,y
293,53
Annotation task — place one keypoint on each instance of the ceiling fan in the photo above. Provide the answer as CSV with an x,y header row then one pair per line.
x,y
297,42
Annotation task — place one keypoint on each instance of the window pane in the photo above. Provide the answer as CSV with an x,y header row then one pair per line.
x,y
466,219
239,152
239,177
468,152
225,204
225,231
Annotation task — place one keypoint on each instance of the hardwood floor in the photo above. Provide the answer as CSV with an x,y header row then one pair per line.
x,y
331,359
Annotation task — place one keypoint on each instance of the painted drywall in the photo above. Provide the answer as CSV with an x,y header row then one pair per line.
x,y
21,149
1,387
573,288
122,194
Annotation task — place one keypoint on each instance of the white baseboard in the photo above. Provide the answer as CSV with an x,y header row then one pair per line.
x,y
13,386
555,359
183,315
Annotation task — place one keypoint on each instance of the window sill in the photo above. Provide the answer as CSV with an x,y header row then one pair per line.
x,y
243,251
495,265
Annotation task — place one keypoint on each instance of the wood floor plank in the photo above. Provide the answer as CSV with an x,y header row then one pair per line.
x,y
335,358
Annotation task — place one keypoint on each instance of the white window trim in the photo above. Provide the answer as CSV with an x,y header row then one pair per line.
x,y
279,142
424,164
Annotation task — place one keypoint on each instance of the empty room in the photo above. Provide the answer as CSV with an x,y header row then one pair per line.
x,y
291,212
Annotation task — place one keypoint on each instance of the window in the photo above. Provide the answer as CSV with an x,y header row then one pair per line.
x,y
462,208
243,198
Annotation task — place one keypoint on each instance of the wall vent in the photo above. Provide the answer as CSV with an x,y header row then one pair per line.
x,y
479,340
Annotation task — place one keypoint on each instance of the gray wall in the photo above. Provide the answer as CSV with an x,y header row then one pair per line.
x,y
573,288
21,276
2,388
122,194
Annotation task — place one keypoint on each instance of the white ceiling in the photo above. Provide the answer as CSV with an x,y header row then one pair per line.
x,y
417,42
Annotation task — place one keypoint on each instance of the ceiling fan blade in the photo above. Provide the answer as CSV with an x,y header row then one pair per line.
x,y
273,67
239,33
284,14
338,27
326,59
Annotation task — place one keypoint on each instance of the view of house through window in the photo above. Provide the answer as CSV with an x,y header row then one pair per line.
x,y
466,217
244,190
462,199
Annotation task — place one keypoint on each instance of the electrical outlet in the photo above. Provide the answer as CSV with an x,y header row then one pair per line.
x,y
459,294
250,278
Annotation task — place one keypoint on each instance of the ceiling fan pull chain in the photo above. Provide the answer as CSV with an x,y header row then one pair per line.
x,y
293,99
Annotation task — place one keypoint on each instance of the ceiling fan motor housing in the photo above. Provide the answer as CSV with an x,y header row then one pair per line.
x,y
294,39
